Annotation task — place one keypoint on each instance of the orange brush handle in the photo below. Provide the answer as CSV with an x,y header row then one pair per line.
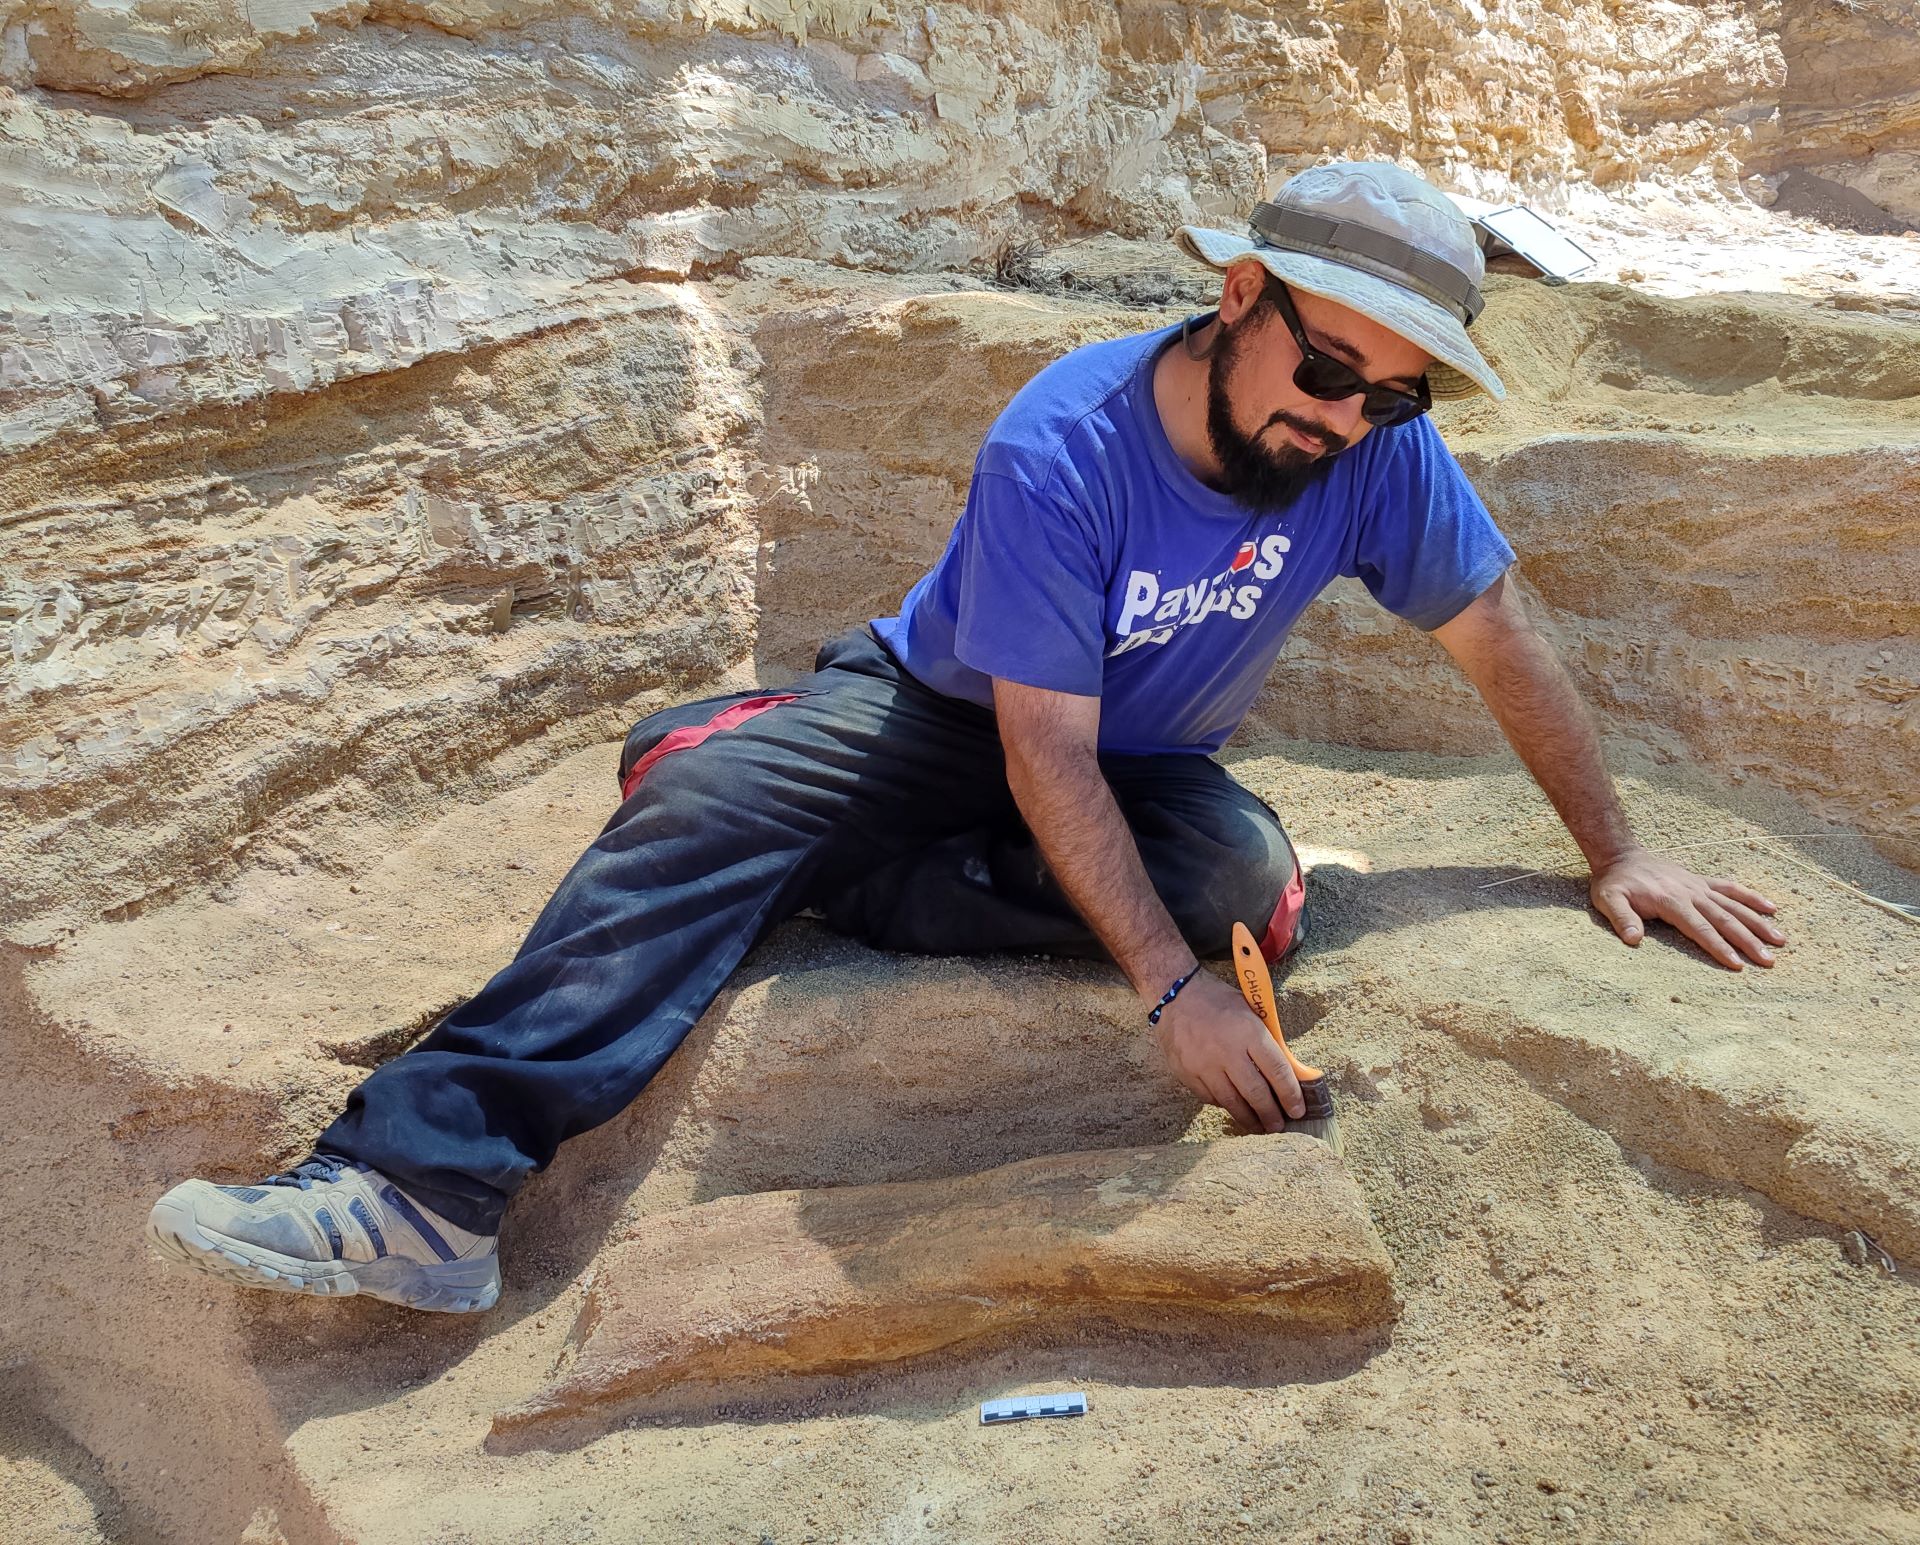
x,y
1256,986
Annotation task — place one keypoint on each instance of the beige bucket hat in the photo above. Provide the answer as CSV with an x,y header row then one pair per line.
x,y
1382,241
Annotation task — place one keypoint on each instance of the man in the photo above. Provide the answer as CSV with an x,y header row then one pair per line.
x,y
1019,759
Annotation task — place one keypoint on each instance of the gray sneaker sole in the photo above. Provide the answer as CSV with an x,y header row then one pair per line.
x,y
451,1287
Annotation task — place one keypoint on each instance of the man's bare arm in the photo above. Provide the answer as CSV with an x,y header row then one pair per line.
x,y
1525,686
1216,1046
1050,740
1533,699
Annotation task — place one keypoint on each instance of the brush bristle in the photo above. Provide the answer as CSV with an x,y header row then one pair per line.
x,y
1325,1128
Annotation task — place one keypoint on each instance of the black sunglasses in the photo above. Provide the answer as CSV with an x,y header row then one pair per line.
x,y
1322,376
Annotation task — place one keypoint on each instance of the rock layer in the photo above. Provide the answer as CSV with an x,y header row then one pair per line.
x,y
278,628
1850,100
804,1282
209,203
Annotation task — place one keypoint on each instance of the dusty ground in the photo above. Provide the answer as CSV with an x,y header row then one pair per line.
x,y
1605,1334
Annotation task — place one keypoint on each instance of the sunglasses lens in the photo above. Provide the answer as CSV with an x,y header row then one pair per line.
x,y
1327,379
1331,381
1385,409
1319,375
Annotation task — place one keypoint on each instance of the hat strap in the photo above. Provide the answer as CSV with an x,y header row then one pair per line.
x,y
1371,251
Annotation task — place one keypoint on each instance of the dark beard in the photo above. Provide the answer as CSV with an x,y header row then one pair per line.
x,y
1265,481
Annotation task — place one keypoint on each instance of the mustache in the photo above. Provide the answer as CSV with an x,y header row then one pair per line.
x,y
1330,443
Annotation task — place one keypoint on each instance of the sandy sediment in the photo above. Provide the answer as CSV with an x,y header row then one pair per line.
x,y
1614,1195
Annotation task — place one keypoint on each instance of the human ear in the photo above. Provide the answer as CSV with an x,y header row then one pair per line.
x,y
1240,292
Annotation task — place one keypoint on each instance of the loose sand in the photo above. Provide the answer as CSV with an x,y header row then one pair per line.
x,y
1604,1333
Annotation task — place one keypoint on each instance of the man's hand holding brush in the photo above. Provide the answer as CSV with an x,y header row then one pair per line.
x,y
1223,1053
1217,1046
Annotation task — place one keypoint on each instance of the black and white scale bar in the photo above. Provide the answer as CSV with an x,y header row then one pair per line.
x,y
1017,1408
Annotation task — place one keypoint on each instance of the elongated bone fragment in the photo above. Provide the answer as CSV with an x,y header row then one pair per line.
x,y
833,1281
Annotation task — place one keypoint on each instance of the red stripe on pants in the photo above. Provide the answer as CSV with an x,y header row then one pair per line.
x,y
733,715
1286,917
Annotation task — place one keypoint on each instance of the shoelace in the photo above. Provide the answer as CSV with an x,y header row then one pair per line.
x,y
322,1166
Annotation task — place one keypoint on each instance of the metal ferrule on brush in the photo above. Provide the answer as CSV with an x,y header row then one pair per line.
x,y
1318,1093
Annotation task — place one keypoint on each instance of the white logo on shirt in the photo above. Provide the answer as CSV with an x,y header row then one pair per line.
x,y
1185,605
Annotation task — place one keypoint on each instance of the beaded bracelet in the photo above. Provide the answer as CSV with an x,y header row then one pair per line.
x,y
1153,1016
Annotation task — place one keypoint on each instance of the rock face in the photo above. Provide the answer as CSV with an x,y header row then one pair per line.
x,y
802,1282
227,640
364,450
226,202
1850,99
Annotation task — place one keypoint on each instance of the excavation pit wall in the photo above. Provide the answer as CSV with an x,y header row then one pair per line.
x,y
232,626
295,780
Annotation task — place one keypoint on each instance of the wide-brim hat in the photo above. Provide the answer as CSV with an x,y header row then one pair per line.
x,y
1382,241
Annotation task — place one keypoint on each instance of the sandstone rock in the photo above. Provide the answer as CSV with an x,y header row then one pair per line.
x,y
1850,100
1797,1081
305,193
346,363
794,1282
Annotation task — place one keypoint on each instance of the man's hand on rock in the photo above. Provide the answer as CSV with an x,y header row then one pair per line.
x,y
1221,1051
1724,917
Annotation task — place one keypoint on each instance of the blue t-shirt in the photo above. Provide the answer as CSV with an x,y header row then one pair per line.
x,y
1090,560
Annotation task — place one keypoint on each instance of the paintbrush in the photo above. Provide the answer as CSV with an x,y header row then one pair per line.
x,y
1256,986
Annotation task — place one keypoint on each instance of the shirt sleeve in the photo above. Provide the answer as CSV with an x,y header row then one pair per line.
x,y
1032,592
1427,546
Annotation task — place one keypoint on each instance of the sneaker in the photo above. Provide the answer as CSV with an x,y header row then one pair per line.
x,y
332,1228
